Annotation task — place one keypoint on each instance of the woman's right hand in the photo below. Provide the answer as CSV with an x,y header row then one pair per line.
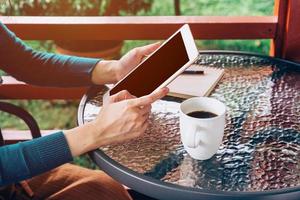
x,y
125,117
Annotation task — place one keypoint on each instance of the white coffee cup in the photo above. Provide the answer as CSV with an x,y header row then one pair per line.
x,y
201,137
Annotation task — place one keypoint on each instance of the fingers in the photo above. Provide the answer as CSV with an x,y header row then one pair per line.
x,y
140,52
120,96
150,98
148,49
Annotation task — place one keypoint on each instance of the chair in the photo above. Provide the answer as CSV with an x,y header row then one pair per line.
x,y
24,115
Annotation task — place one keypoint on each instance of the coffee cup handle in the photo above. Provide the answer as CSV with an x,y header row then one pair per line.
x,y
194,141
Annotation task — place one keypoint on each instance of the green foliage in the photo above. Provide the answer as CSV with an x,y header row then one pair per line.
x,y
54,114
228,7
256,46
213,7
73,7
85,161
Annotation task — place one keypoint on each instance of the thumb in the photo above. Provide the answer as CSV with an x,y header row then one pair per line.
x,y
150,98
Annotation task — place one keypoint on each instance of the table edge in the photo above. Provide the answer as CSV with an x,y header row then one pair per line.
x,y
111,167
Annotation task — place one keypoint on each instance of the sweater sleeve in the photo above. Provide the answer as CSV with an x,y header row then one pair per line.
x,y
40,68
26,159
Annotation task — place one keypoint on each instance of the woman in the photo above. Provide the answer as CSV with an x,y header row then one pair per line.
x,y
124,118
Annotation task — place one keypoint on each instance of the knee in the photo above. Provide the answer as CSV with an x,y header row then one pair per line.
x,y
105,186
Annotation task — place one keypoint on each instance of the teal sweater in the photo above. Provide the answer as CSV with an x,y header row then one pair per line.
x,y
27,159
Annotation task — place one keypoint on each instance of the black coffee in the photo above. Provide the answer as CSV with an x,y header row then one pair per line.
x,y
201,114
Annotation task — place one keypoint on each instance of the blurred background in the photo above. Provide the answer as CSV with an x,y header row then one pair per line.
x,y
61,114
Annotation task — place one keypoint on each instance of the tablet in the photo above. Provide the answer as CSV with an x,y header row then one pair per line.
x,y
162,66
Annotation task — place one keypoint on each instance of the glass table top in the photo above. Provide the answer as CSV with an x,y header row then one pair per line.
x,y
261,144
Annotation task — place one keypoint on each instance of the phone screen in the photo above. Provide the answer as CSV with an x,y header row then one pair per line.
x,y
156,69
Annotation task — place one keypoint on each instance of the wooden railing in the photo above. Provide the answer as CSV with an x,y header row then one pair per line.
x,y
283,28
140,28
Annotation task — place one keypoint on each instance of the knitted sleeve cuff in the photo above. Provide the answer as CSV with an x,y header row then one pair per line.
x,y
46,153
26,159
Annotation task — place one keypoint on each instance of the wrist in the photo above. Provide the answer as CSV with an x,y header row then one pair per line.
x,y
105,72
94,134
81,139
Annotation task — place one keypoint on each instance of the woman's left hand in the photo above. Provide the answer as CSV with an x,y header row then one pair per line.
x,y
111,71
133,58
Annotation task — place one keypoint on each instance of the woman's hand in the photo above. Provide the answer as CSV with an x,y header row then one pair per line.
x,y
124,118
111,71
133,58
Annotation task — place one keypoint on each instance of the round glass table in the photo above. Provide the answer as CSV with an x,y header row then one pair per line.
x,y
260,154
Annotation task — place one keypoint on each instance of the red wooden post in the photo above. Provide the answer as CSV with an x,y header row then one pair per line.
x,y
177,7
287,41
280,10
